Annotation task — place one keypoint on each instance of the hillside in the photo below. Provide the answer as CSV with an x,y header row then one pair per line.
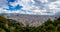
x,y
31,20
9,25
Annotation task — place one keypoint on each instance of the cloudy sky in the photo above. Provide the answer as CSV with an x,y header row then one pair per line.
x,y
34,7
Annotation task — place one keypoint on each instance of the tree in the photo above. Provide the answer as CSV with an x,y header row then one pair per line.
x,y
3,23
3,20
2,30
48,22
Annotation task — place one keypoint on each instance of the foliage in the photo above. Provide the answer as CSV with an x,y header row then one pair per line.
x,y
9,25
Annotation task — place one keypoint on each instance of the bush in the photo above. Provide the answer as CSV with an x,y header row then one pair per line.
x,y
9,25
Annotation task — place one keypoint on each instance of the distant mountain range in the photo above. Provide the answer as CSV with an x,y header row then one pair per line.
x,y
31,20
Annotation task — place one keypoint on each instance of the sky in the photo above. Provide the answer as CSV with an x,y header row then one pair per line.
x,y
33,7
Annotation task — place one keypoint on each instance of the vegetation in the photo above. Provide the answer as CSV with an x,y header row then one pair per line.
x,y
9,25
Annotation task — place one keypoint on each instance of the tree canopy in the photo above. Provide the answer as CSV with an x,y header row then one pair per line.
x,y
9,25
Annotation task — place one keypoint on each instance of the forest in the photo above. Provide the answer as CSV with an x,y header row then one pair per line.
x,y
9,25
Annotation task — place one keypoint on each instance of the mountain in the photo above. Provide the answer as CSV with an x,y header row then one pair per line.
x,y
31,20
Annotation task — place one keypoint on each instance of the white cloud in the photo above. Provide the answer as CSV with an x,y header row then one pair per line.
x,y
41,7
3,3
44,1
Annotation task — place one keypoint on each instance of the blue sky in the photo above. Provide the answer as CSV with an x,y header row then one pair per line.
x,y
35,7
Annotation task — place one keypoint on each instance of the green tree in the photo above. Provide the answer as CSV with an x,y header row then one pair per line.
x,y
3,23
2,30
